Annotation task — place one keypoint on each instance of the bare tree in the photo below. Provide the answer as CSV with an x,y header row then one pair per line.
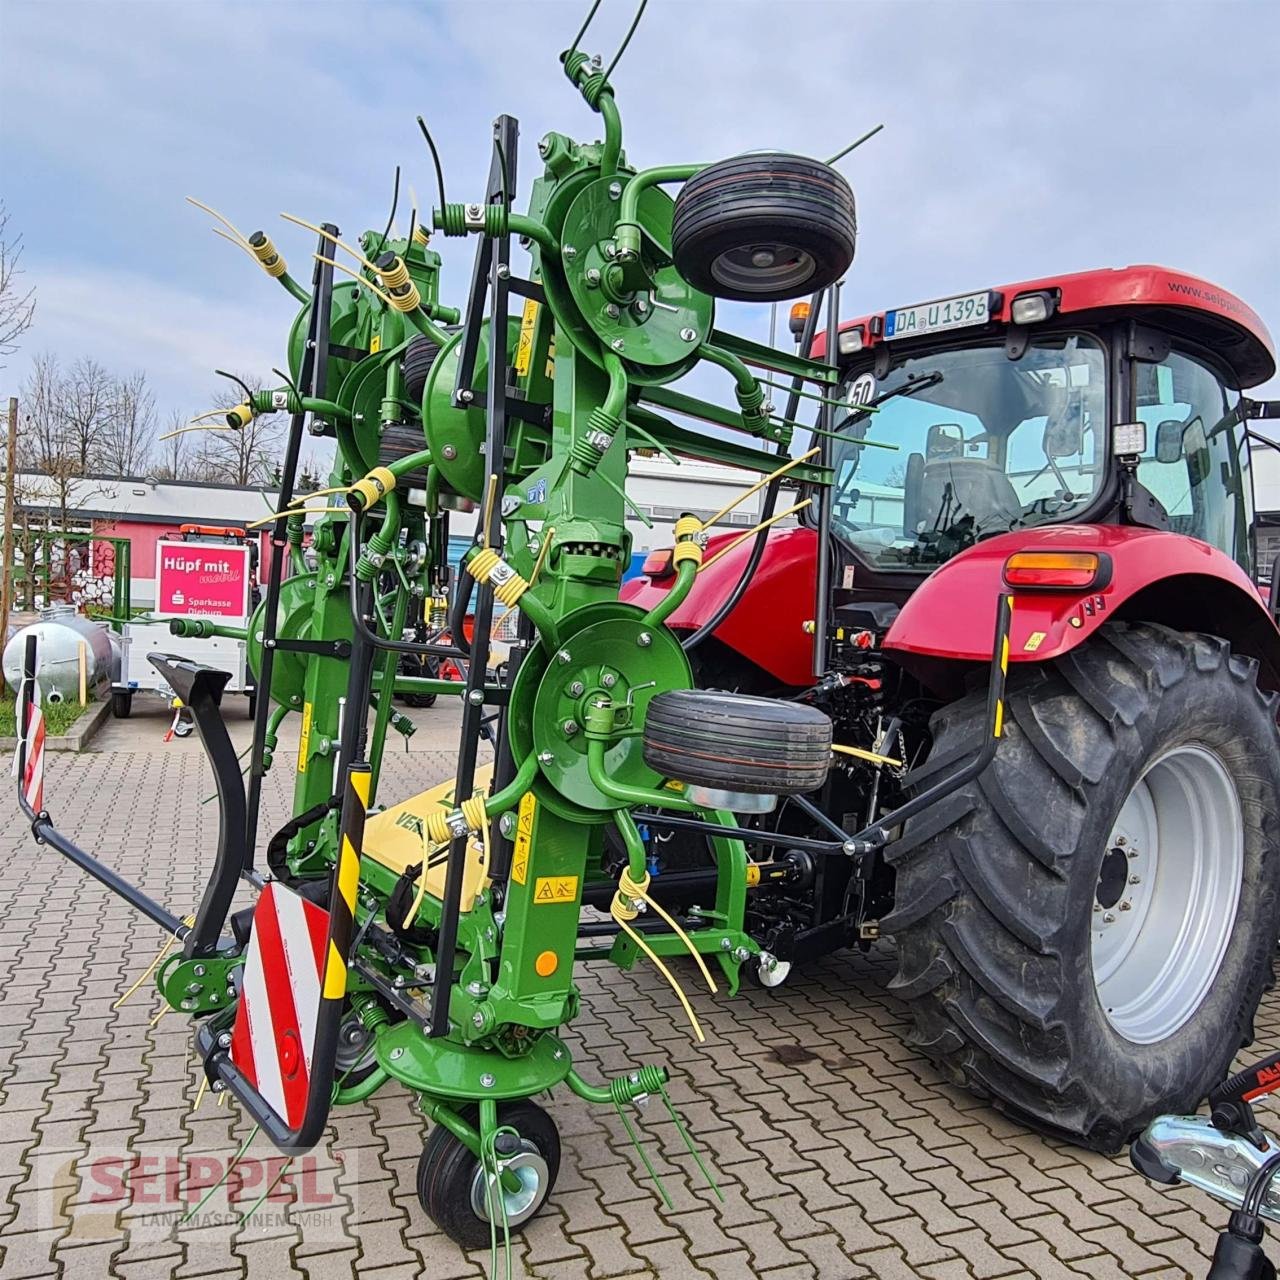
x,y
172,457
126,440
43,433
17,307
88,401
246,456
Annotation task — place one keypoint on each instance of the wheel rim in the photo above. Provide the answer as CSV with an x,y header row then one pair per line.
x,y
1167,894
763,268
531,1169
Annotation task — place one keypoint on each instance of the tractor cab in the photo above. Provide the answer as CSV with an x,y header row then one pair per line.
x,y
1103,397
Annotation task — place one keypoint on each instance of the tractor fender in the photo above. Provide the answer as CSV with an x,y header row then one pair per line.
x,y
767,624
1150,576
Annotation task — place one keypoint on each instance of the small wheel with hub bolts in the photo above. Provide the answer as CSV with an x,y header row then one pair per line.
x,y
454,1189
767,971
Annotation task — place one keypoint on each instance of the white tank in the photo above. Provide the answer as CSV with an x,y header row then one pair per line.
x,y
60,633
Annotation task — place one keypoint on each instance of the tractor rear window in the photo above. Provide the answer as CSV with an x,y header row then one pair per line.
x,y
966,443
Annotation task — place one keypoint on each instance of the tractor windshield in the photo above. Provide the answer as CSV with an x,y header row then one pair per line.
x,y
980,444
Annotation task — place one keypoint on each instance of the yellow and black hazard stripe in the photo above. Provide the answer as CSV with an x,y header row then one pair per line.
x,y
1004,621
346,876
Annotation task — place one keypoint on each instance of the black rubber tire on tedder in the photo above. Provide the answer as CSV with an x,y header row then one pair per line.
x,y
733,742
447,1171
999,886
415,365
764,227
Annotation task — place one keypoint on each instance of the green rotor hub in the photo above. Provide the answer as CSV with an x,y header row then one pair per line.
x,y
610,652
657,334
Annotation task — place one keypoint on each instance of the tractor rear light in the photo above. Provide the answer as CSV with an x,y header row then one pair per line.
x,y
1060,570
1032,308
657,564
798,315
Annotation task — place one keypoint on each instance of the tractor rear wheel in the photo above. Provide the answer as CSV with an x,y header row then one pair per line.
x,y
1085,932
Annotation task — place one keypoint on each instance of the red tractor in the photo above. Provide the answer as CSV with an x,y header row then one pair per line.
x,y
1085,930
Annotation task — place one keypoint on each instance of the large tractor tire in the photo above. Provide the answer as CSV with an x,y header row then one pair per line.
x,y
1085,932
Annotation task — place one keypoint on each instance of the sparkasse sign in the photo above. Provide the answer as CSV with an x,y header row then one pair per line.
x,y
198,578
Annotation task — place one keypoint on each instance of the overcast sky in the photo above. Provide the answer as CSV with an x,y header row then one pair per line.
x,y
1021,139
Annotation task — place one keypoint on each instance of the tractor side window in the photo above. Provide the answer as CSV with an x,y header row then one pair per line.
x,y
1196,461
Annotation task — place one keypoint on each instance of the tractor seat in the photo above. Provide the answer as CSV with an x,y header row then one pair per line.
x,y
394,840
978,488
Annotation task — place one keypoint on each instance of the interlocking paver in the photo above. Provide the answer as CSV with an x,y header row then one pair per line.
x,y
841,1152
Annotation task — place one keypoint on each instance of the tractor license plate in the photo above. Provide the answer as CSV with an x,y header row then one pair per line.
x,y
934,317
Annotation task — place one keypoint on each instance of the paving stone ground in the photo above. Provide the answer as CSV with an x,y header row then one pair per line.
x,y
840,1152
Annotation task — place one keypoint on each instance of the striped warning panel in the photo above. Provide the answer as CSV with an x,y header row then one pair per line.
x,y
275,1028
33,760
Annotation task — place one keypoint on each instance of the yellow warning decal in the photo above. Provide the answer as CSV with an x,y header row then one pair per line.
x,y
304,739
1034,641
375,344
753,875
335,975
524,838
524,346
549,890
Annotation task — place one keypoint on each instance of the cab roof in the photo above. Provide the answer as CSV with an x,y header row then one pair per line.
x,y
1184,305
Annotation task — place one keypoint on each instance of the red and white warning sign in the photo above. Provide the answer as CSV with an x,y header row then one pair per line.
x,y
33,765
275,1027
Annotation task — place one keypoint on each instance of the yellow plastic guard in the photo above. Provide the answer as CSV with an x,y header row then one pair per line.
x,y
393,839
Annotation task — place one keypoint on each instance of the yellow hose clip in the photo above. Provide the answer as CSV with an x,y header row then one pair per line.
x,y
690,540
369,489
400,287
488,566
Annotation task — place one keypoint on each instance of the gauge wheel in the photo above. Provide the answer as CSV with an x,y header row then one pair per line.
x,y
1085,932
453,1188
415,364
184,728
764,227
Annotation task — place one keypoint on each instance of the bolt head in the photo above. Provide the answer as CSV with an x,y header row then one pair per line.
x,y
569,251
725,944
488,1080
397,1053
576,689
545,757
1135,879
475,697
608,680
224,1040
570,728
1109,917
593,276
544,147
199,971
615,190
477,1019
1097,908
503,271
449,453
640,306
618,344
1133,853
644,639
564,656
1121,841
741,955
688,334
1126,905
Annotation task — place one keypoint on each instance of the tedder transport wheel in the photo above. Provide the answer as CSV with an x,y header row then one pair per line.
x,y
451,1183
764,227
1084,933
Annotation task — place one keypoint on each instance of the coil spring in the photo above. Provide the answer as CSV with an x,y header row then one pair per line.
x,y
452,219
648,1079
371,1014
751,402
593,86
400,286
264,250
